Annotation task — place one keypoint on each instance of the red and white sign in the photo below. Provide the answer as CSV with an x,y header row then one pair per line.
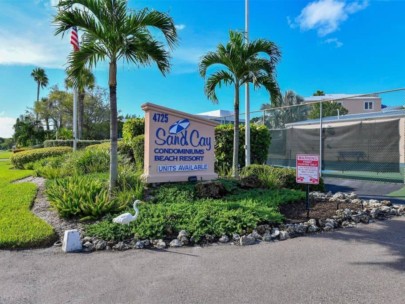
x,y
307,169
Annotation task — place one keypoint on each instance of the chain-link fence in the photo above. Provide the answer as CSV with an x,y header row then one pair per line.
x,y
357,136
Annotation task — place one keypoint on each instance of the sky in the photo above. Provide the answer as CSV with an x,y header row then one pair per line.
x,y
338,46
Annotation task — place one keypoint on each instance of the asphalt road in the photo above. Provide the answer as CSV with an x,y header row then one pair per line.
x,y
360,265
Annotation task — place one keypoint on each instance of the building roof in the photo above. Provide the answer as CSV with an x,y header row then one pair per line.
x,y
352,117
339,96
216,113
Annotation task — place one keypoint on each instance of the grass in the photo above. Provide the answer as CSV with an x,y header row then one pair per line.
x,y
5,155
19,227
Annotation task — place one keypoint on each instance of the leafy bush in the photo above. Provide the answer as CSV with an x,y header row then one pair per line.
x,y
87,161
130,180
20,159
124,148
274,177
138,149
85,197
132,128
69,143
178,209
259,138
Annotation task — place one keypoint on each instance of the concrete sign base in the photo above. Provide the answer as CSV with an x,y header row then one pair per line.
x,y
71,241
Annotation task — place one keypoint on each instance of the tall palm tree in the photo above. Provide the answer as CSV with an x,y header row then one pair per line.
x,y
86,80
113,32
40,78
241,63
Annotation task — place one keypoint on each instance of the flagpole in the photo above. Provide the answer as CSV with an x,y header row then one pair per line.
x,y
74,40
247,97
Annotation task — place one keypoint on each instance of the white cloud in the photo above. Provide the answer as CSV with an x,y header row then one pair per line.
x,y
325,16
180,27
334,41
6,126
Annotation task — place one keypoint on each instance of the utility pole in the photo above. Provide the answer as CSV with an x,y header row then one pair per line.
x,y
247,97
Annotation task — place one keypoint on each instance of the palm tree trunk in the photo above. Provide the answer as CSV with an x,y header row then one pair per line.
x,y
235,160
80,114
36,114
113,127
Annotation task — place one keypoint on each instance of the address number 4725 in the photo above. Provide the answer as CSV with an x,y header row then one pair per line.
x,y
160,117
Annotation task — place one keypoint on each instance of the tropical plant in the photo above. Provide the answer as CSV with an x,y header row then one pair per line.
x,y
319,93
241,64
85,80
40,78
113,32
328,109
292,110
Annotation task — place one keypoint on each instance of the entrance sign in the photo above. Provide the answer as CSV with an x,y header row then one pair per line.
x,y
178,146
307,169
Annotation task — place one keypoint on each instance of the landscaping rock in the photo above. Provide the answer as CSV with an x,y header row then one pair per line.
x,y
100,245
224,239
121,246
313,228
182,233
176,243
267,236
352,196
87,239
236,237
210,189
284,235
338,196
139,245
261,229
209,238
88,247
146,243
247,240
160,244
275,232
256,235
184,240
386,203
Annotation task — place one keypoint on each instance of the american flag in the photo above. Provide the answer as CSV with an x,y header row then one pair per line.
x,y
74,39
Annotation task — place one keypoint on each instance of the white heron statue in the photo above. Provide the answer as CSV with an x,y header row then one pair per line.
x,y
126,218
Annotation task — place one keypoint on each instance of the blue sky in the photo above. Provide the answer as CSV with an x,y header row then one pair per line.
x,y
338,46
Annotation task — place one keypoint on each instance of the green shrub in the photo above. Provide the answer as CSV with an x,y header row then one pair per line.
x,y
132,128
124,148
238,213
88,161
69,143
85,197
129,180
259,145
20,159
274,177
138,149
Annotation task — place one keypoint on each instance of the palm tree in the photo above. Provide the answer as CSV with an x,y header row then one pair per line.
x,y
40,78
86,80
241,63
113,32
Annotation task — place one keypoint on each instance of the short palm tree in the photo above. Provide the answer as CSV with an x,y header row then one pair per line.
x,y
240,63
112,32
85,80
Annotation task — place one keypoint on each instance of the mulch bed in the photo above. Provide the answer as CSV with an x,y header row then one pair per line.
x,y
296,212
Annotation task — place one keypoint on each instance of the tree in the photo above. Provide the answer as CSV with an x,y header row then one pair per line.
x,y
43,108
28,131
319,93
294,110
40,78
113,32
86,80
328,109
240,63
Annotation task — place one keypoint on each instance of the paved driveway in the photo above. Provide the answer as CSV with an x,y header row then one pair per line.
x,y
360,265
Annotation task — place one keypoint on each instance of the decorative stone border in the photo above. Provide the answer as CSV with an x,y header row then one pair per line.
x,y
344,218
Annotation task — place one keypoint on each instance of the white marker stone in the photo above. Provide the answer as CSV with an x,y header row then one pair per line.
x,y
71,241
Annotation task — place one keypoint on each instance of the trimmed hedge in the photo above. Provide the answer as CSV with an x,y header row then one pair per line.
x,y
132,128
20,159
275,177
69,143
138,149
124,148
259,145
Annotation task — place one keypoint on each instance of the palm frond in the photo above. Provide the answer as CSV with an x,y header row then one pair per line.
x,y
217,79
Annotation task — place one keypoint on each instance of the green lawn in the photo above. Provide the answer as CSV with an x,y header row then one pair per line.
x,y
5,155
19,227
398,194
